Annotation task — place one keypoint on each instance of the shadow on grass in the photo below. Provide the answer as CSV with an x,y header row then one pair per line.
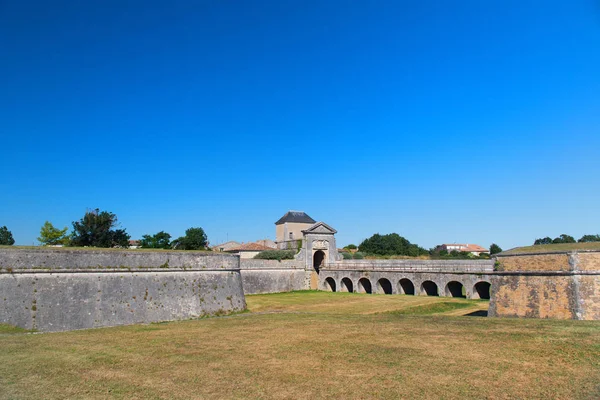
x,y
478,313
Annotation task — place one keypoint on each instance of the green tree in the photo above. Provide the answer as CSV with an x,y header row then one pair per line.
x,y
51,236
495,249
589,238
546,240
564,238
389,245
161,240
6,237
351,247
194,239
96,229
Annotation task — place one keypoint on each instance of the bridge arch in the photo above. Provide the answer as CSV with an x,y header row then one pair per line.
x,y
429,288
482,290
364,286
405,286
330,284
346,285
455,289
384,286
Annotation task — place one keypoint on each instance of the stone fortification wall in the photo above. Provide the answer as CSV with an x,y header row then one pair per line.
x,y
563,285
66,258
272,276
64,289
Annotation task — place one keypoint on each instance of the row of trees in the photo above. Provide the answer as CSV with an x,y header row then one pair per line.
x,y
101,229
194,239
564,238
393,244
95,229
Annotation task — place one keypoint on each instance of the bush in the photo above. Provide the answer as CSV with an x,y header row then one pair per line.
x,y
358,255
276,255
347,256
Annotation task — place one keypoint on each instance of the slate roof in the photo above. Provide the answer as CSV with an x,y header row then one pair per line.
x,y
297,217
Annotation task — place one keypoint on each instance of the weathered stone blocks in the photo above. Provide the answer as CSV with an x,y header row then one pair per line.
x,y
272,276
56,290
562,285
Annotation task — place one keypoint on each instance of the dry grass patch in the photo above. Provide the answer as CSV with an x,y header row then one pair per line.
x,y
352,353
555,247
349,303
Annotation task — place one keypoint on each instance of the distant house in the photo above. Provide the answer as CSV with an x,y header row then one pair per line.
x,y
474,249
134,244
248,250
289,227
225,246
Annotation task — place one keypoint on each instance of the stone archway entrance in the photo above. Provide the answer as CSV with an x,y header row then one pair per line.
x,y
318,260
319,250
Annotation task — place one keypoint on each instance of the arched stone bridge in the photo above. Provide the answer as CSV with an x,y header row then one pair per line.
x,y
451,278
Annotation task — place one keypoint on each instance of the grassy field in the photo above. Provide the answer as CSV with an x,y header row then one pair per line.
x,y
306,345
558,247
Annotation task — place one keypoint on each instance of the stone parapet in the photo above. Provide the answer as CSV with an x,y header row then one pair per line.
x,y
471,266
272,276
85,259
248,264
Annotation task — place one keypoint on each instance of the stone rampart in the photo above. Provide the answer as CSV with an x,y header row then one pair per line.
x,y
562,285
65,289
272,276
453,278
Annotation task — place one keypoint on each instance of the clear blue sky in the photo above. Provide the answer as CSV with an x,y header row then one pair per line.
x,y
443,121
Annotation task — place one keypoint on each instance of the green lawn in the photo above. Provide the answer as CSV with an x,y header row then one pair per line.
x,y
306,345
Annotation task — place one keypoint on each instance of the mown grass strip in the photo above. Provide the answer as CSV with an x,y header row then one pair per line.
x,y
435,308
7,329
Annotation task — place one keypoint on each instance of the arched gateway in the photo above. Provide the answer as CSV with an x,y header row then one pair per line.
x,y
320,249
313,241
318,265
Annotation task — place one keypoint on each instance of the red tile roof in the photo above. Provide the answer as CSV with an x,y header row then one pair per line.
x,y
471,248
474,248
250,247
